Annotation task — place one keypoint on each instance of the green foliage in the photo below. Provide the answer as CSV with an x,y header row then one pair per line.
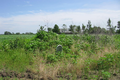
x,y
49,29
31,45
117,41
89,65
105,75
109,22
17,33
106,62
105,40
64,28
42,28
89,24
28,33
78,29
43,35
43,40
56,29
19,53
51,58
72,28
13,44
110,27
118,26
7,33
17,43
83,28
15,60
5,46
66,40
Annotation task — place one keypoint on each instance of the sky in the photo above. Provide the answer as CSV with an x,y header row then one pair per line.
x,y
26,15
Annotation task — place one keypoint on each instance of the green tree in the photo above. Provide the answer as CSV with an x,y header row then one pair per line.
x,y
49,29
118,26
109,23
78,29
64,27
89,29
89,24
72,28
29,33
103,31
83,27
7,33
17,33
110,27
96,30
42,28
56,29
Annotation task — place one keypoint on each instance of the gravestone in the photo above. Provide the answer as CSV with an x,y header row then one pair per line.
x,y
59,48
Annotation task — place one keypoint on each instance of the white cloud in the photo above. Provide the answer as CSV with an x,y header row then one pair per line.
x,y
31,22
31,11
27,2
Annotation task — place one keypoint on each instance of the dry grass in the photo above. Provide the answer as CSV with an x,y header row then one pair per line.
x,y
65,66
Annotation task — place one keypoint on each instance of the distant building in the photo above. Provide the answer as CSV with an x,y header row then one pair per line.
x,y
66,31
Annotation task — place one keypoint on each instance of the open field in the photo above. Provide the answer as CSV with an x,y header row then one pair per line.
x,y
84,57
12,37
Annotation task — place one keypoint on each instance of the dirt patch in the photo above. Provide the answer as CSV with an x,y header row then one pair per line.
x,y
28,75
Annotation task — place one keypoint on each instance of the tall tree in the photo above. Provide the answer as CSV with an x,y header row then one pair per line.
x,y
7,33
109,23
49,29
56,29
96,30
118,26
78,29
110,27
72,28
89,24
89,29
83,27
103,31
64,27
17,33
42,28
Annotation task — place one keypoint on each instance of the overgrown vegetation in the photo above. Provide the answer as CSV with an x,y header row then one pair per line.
x,y
83,56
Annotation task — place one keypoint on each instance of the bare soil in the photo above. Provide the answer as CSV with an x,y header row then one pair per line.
x,y
29,75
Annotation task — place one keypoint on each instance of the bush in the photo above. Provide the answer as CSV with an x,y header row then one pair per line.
x,y
45,36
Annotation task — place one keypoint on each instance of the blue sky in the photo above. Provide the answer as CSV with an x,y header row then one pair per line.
x,y
26,15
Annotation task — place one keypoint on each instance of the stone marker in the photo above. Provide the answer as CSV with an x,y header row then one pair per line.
x,y
59,48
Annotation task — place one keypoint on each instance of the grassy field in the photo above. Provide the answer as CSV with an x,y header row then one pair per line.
x,y
84,57
13,37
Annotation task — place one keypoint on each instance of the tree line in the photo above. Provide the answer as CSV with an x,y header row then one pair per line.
x,y
17,33
79,29
89,29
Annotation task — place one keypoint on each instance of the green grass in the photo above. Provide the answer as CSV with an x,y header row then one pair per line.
x,y
15,60
12,37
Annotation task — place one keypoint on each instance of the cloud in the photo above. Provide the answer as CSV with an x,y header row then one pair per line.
x,y
31,11
31,22
27,2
